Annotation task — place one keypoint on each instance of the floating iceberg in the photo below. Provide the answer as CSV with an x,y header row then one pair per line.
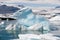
x,y
28,20
31,21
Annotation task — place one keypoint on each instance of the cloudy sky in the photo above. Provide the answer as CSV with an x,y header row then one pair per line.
x,y
39,1
34,3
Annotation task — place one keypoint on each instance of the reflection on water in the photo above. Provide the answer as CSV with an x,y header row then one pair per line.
x,y
11,34
30,32
7,35
4,34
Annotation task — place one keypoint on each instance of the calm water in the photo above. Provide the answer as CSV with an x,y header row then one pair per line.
x,y
14,34
4,34
7,35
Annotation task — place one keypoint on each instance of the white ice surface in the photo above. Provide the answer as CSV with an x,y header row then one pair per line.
x,y
37,37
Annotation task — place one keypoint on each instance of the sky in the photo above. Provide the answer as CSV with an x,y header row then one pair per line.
x,y
35,3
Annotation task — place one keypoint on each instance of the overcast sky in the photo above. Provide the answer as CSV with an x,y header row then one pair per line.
x,y
39,3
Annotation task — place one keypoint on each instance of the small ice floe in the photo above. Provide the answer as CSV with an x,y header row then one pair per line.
x,y
55,20
37,37
1,23
28,36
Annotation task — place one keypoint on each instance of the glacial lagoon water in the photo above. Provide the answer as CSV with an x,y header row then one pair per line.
x,y
10,35
13,34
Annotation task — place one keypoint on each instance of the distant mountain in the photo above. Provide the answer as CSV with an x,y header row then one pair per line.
x,y
7,9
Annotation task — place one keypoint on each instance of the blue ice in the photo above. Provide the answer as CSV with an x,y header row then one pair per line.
x,y
26,18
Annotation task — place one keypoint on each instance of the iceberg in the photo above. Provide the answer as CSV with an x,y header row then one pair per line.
x,y
26,20
31,21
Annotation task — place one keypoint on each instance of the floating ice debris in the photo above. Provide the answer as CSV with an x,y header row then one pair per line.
x,y
1,23
55,20
37,37
28,36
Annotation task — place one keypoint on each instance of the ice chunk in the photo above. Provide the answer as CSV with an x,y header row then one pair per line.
x,y
37,37
55,20
28,36
1,23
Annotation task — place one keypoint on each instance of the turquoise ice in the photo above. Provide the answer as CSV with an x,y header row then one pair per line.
x,y
26,18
